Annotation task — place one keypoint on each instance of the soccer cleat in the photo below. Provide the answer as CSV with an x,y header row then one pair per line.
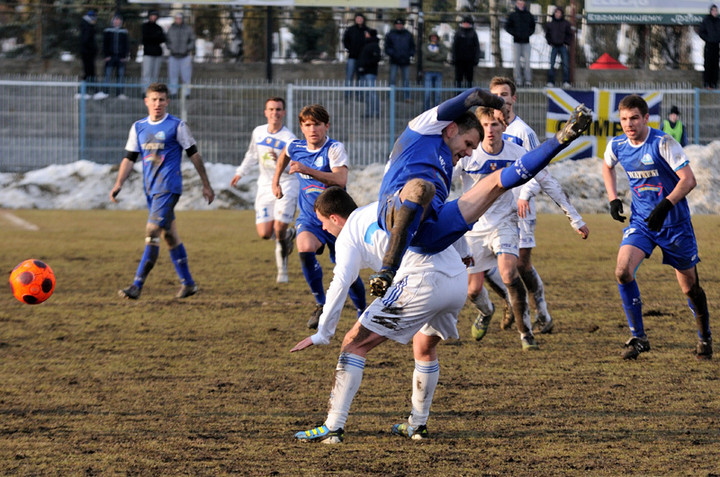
x,y
703,350
634,346
406,430
321,434
529,343
544,324
186,291
315,317
381,281
508,317
578,122
132,292
480,326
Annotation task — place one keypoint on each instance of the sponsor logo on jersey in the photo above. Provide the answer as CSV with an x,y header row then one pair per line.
x,y
643,174
442,161
313,189
319,161
647,159
652,188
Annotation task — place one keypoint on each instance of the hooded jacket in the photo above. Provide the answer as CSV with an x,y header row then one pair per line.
x,y
559,31
521,25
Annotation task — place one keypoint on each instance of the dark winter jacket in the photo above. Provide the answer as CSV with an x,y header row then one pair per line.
x,y
400,47
558,32
709,29
434,56
116,43
369,57
88,45
354,40
520,24
152,37
466,47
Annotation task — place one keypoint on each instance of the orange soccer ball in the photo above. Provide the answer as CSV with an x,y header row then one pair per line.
x,y
32,282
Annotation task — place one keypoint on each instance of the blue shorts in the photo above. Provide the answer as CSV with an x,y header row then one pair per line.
x,y
162,209
442,226
325,238
677,243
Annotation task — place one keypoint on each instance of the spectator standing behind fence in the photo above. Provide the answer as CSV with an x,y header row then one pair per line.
x,y
354,41
180,40
400,47
465,53
88,48
367,67
435,55
559,35
710,33
674,127
116,50
521,26
153,37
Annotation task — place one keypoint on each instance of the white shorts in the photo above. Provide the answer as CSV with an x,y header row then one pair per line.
x,y
269,208
428,302
527,233
485,247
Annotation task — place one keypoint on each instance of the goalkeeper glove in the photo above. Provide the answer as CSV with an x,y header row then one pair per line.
x,y
616,208
657,217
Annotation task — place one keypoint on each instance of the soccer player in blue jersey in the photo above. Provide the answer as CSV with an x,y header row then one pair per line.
x,y
416,184
660,179
161,139
319,162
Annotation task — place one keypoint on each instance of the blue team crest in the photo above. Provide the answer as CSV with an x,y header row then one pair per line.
x,y
647,160
629,231
319,161
160,136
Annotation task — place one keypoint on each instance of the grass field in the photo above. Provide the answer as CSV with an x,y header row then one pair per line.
x,y
94,385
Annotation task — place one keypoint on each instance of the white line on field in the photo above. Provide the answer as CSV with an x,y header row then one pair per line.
x,y
18,222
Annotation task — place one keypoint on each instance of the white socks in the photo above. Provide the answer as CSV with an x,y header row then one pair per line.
x,y
348,376
425,379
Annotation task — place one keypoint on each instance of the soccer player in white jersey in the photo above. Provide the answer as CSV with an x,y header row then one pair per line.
x,y
519,132
159,140
319,162
660,180
493,239
272,215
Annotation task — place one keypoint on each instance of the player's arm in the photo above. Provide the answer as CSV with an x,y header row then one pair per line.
x,y
280,166
337,177
126,167
451,109
197,161
251,157
687,182
552,187
610,180
529,190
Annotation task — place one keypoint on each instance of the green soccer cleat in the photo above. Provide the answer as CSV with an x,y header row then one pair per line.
x,y
529,343
480,326
406,430
321,434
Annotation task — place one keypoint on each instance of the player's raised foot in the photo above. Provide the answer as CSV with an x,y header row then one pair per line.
x,y
480,326
381,281
544,324
579,121
529,343
634,346
315,317
703,350
132,292
406,430
508,317
321,434
186,291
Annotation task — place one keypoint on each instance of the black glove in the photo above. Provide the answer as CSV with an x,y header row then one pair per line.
x,y
616,208
657,217
483,97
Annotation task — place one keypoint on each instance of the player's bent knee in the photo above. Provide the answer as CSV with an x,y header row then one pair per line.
x,y
419,191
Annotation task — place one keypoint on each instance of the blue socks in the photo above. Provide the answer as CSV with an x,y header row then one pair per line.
x,y
147,262
313,275
179,259
530,163
630,295
357,295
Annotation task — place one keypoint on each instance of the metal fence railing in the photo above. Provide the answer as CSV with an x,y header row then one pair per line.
x,y
57,121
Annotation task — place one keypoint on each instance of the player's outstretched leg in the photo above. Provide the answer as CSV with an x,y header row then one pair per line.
x,y
698,305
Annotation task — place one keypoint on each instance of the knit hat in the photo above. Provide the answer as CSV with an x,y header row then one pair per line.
x,y
467,19
674,110
91,14
399,21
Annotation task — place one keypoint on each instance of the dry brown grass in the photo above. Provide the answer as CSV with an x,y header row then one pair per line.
x,y
94,385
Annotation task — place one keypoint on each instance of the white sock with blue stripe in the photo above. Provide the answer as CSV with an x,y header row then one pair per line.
x,y
425,379
348,376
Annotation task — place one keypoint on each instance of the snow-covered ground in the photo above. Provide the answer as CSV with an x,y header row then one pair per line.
x,y
85,185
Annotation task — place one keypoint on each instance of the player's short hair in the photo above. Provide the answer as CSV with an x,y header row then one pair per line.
x,y
468,121
276,99
484,111
634,101
315,112
157,88
335,200
504,80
